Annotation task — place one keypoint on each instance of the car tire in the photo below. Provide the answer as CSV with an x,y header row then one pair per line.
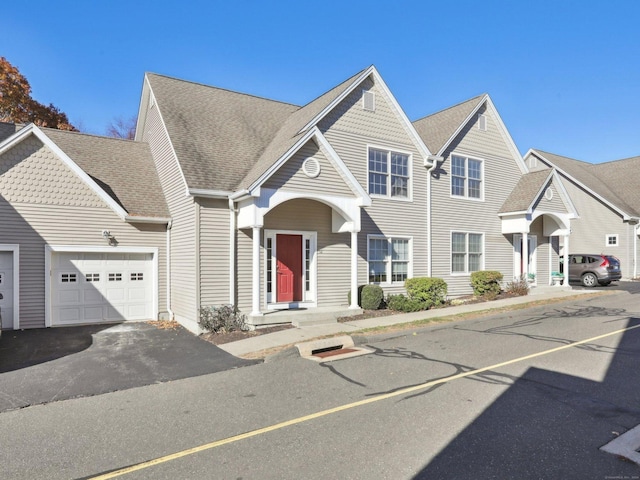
x,y
605,284
589,280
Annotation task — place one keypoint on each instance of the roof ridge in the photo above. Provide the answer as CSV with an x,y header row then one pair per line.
x,y
223,89
451,107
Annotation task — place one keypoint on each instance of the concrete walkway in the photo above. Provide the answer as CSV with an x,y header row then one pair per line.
x,y
301,334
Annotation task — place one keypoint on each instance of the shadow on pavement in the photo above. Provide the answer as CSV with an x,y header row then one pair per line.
x,y
45,365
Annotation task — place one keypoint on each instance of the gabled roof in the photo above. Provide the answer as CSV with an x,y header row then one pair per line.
x,y
121,172
609,182
526,192
438,128
228,142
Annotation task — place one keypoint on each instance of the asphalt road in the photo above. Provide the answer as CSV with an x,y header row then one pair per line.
x,y
508,396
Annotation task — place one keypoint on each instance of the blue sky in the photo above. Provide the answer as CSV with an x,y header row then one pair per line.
x,y
564,74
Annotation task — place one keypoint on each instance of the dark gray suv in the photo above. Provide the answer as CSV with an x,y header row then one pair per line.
x,y
592,269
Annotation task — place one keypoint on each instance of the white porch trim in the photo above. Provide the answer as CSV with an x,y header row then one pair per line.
x,y
15,250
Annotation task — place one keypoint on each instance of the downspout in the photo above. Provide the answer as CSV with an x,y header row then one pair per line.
x,y
435,159
232,252
197,259
171,315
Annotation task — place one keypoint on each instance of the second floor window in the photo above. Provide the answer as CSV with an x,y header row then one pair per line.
x,y
388,173
466,177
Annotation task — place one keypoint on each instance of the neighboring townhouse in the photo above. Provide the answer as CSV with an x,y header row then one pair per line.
x,y
277,206
82,229
486,211
607,199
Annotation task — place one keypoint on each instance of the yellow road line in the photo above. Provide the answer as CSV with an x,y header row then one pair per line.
x,y
330,411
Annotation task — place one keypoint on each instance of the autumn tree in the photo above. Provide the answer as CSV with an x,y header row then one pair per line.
x,y
17,105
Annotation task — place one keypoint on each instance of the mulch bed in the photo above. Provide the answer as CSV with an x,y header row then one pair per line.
x,y
222,338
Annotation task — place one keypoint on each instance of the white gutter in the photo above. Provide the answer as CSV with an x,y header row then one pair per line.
x,y
232,253
435,161
201,192
136,219
171,314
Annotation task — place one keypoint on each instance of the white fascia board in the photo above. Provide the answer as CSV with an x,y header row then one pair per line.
x,y
540,192
143,107
342,168
462,125
514,214
202,192
40,135
625,216
136,219
565,195
281,161
338,99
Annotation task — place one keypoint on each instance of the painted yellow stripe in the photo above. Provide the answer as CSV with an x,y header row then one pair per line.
x,y
330,411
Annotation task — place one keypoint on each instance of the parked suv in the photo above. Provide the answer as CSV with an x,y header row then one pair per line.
x,y
592,269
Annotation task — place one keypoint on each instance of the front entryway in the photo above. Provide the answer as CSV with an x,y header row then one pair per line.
x,y
6,289
519,260
289,268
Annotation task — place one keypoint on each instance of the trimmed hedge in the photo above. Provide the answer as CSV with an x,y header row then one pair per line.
x,y
429,290
400,303
370,297
486,283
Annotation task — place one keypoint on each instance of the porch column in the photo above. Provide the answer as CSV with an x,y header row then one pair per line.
x,y
255,284
354,271
525,256
565,253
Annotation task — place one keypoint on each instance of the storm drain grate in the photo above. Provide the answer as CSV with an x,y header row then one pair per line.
x,y
332,352
330,349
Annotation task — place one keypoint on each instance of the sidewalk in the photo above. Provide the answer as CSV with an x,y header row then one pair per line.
x,y
301,334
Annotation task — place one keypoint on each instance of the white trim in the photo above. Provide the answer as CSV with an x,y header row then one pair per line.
x,y
611,235
135,219
389,259
482,122
390,150
73,166
379,82
310,297
50,249
205,193
466,185
15,250
467,272
371,96
532,253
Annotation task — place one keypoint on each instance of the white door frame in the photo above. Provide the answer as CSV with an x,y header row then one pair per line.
x,y
533,255
15,250
50,249
310,297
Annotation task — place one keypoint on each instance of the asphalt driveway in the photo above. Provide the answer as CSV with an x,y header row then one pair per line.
x,y
46,365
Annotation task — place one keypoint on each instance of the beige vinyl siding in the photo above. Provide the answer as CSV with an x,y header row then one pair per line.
x,y
50,205
597,220
184,281
555,204
292,177
351,131
349,116
214,252
456,214
244,269
333,250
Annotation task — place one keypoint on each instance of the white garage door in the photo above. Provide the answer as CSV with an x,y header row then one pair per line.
x,y
99,287
6,289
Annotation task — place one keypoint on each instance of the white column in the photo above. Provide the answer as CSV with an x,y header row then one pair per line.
x,y
525,256
354,271
255,284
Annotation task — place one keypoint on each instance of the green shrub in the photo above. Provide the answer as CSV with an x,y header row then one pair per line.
x,y
222,319
429,291
372,297
486,283
400,303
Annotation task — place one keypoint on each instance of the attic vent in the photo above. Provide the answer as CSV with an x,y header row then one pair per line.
x,y
311,167
482,122
368,101
548,194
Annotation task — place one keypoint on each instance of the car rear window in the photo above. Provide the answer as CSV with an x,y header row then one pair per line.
x,y
613,259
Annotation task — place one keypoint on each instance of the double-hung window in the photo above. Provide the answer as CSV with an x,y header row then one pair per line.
x,y
466,252
466,177
388,173
389,259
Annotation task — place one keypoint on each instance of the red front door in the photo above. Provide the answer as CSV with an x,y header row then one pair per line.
x,y
289,268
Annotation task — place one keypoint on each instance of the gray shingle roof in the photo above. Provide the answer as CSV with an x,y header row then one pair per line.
x,y
226,140
123,168
436,129
614,181
525,192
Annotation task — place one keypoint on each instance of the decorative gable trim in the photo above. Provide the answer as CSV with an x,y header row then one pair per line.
x,y
473,116
408,126
332,156
625,216
32,129
564,195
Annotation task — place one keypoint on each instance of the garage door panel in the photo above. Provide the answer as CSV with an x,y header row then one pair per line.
x,y
101,287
